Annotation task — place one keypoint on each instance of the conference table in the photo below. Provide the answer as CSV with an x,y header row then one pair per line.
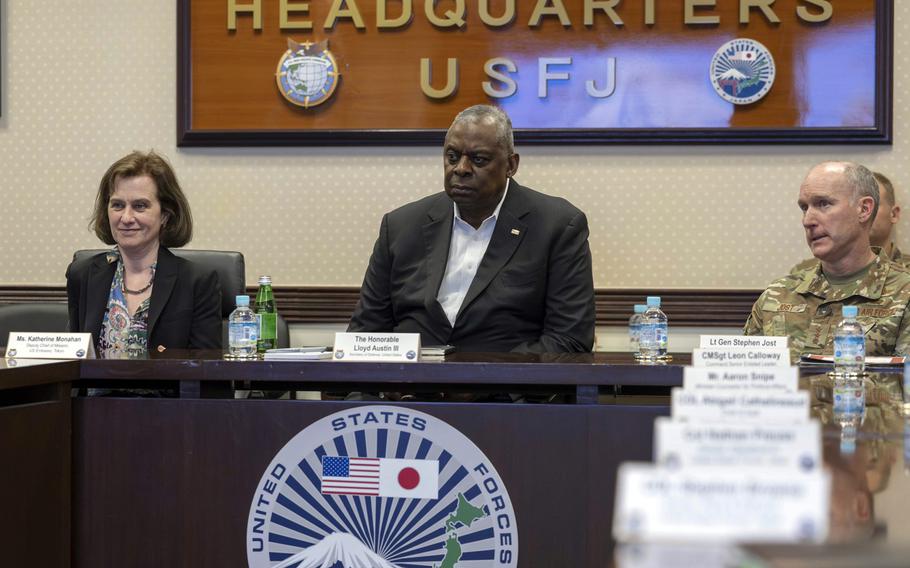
x,y
168,478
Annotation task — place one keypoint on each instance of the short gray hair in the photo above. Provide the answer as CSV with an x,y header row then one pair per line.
x,y
860,180
494,114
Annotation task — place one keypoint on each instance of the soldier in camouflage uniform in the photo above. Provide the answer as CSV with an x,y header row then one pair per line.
x,y
839,201
889,213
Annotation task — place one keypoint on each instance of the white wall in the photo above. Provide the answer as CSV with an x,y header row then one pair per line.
x,y
86,82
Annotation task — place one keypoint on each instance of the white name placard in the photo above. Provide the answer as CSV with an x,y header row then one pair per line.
x,y
720,505
667,554
31,345
687,444
780,379
389,347
717,357
742,342
740,406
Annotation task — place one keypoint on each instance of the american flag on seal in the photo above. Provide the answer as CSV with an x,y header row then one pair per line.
x,y
350,476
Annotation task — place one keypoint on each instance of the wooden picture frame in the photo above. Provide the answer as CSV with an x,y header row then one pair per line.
x,y
876,130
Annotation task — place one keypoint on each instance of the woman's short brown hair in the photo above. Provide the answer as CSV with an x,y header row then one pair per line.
x,y
178,230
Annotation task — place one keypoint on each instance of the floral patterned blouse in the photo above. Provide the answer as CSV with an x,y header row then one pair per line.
x,y
122,336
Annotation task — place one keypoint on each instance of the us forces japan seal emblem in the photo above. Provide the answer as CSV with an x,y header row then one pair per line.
x,y
742,71
307,73
384,487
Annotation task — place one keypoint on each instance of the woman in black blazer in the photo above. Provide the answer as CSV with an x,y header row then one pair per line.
x,y
139,297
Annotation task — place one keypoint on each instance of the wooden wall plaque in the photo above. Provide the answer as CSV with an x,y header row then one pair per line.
x,y
567,71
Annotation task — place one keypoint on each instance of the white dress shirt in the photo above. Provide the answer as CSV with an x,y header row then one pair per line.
x,y
466,249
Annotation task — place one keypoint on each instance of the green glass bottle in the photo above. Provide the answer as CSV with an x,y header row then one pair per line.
x,y
267,315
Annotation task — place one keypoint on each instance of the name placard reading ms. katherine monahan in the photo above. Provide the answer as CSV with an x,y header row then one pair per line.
x,y
387,347
30,345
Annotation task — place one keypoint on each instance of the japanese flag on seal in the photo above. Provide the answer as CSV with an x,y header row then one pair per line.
x,y
415,479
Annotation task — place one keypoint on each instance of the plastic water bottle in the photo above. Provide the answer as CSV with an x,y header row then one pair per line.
x,y
907,445
243,330
849,409
907,392
653,339
849,344
635,327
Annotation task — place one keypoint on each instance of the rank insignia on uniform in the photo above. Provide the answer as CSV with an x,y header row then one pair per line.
x,y
307,73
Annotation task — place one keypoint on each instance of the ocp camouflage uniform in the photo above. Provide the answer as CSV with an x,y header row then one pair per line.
x,y
806,308
812,263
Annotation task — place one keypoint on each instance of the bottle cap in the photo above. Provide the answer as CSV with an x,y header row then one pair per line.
x,y
849,311
640,308
265,280
653,301
242,300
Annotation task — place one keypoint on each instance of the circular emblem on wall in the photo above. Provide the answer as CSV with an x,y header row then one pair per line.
x,y
742,71
384,487
307,73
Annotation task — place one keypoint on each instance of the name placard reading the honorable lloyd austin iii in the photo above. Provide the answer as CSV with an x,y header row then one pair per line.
x,y
370,71
401,347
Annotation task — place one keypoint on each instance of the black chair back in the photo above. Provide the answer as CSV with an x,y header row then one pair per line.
x,y
42,317
231,270
229,265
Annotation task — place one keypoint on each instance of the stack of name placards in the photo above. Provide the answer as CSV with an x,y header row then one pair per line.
x,y
736,351
739,460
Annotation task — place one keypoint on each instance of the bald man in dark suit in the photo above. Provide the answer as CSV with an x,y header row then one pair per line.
x,y
487,265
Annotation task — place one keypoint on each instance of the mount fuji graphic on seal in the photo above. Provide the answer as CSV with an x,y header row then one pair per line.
x,y
337,550
734,74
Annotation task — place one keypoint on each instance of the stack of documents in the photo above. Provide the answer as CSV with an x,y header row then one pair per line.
x,y
298,354
807,359
435,352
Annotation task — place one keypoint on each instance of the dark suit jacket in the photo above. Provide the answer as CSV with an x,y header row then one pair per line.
x,y
533,291
185,308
